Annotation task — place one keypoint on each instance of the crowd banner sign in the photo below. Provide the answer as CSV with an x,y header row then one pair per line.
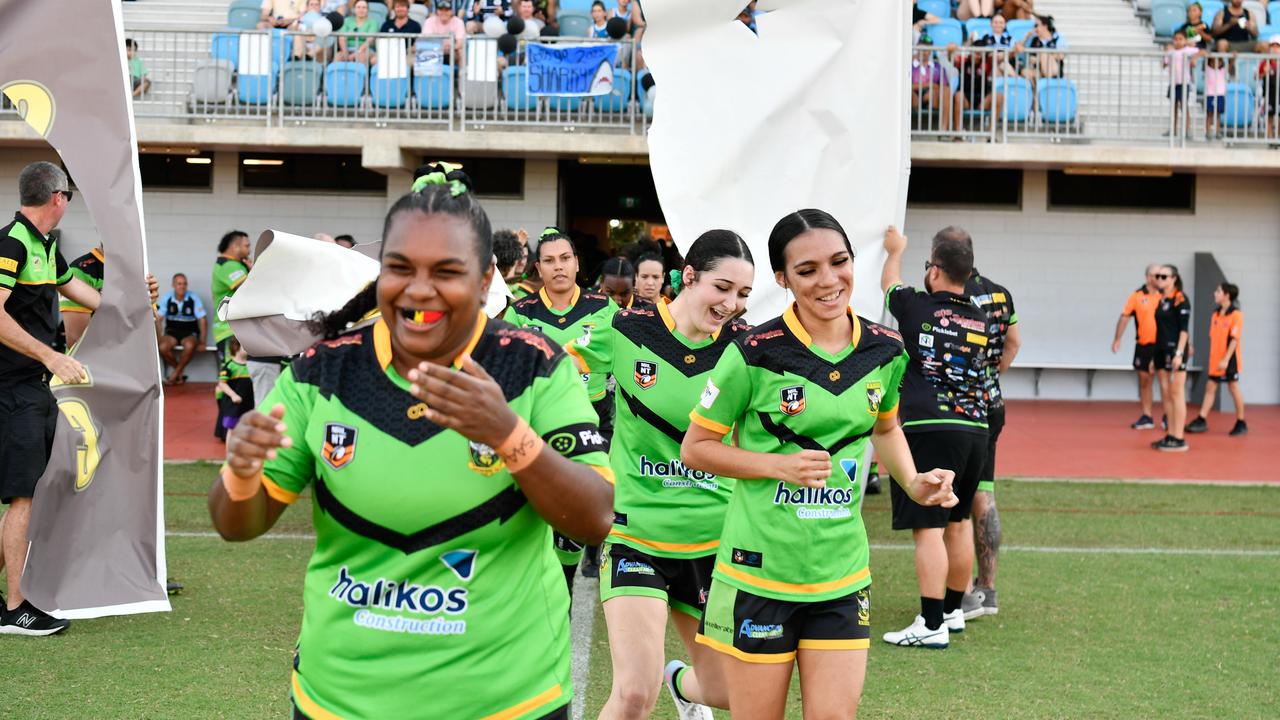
x,y
571,70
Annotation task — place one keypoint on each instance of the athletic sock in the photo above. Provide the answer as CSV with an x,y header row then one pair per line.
x,y
952,600
675,683
931,611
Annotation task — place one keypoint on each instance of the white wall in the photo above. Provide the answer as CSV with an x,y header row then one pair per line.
x,y
1071,271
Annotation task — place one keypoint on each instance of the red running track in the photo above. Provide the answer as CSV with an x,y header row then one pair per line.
x,y
1042,439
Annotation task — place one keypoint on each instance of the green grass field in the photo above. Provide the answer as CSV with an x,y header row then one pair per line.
x,y
1187,628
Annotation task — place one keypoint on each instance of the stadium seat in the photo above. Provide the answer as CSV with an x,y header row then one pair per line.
x,y
434,92
418,13
515,87
575,6
479,83
1260,8
946,32
226,46
388,92
243,18
1266,31
1273,12
344,84
573,24
977,26
378,12
562,103
1018,29
940,8
620,99
1241,109
1057,100
246,3
1017,98
1211,9
255,89
211,81
1167,16
300,82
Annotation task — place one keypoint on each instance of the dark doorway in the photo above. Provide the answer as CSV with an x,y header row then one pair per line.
x,y
608,205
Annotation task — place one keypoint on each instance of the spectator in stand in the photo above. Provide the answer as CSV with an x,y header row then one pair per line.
x,y
445,22
345,241
1269,78
632,14
1238,26
975,9
481,9
548,11
649,273
976,70
599,21
1016,9
1173,326
526,12
331,6
400,22
280,13
357,47
1179,57
930,88
185,325
234,392
1041,64
1225,358
1195,28
308,47
139,76
1216,70
998,36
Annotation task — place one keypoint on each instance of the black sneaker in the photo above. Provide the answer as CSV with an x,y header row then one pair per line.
x,y
27,620
1164,423
1144,423
1198,425
1240,428
873,484
1172,444
590,563
1156,445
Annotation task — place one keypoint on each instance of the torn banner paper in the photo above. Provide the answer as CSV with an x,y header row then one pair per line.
x,y
812,112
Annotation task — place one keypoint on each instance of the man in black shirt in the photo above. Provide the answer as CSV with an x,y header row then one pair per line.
x,y
944,416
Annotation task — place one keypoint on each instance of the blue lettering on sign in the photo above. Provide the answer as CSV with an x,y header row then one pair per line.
x,y
577,70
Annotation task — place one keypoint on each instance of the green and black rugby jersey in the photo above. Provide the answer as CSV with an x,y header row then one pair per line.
x,y
997,302
31,269
784,394
946,338
228,275
433,590
660,506
87,267
586,312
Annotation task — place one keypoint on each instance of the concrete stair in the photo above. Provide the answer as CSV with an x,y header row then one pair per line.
x,y
175,14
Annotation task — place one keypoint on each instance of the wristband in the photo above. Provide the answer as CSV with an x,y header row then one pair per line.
x,y
521,447
240,489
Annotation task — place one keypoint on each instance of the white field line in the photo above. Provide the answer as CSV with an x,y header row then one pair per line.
x,y
1051,550
586,594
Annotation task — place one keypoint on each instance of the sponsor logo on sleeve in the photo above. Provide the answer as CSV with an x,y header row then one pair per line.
x,y
339,445
709,395
749,558
792,400
575,440
646,374
9,265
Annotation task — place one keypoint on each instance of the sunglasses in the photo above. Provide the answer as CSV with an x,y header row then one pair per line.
x,y
929,264
1161,276
65,193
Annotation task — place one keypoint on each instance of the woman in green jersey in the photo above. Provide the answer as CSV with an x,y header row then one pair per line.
x,y
423,439
803,393
667,519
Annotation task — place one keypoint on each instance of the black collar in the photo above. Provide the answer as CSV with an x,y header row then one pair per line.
x,y
19,217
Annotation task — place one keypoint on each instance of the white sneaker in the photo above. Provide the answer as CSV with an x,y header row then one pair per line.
x,y
917,635
954,621
685,710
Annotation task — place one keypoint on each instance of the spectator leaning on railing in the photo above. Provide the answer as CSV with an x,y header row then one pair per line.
x,y
1216,70
1178,57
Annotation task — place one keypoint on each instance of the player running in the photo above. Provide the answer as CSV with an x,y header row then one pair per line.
x,y
667,517
1225,358
802,394
564,313
423,439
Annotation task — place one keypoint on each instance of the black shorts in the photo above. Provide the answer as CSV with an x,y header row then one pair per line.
x,y
962,452
1231,374
682,584
995,424
28,416
763,630
1144,357
1164,360
181,330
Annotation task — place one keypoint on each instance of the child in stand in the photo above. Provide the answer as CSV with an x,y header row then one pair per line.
x,y
1216,70
599,22
235,388
139,76
1178,57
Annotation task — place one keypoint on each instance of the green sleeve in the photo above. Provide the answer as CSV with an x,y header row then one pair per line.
x,y
593,354
294,467
512,316
1013,313
893,298
726,395
897,369
562,415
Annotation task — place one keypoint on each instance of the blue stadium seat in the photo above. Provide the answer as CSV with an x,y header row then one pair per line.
x,y
300,83
979,26
946,32
574,24
1018,29
515,87
226,46
246,3
1273,11
1017,98
1241,109
620,99
941,8
1211,9
1266,31
575,6
243,18
256,89
1057,100
388,92
344,83
434,92
564,103
1167,16
378,12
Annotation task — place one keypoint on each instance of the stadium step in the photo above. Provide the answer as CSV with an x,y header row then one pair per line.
x,y
175,14
1097,24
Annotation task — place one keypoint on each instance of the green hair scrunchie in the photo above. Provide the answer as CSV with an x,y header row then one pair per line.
x,y
676,278
550,230
456,187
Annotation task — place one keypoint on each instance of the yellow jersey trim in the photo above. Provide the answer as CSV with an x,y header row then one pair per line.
x,y
798,588
711,425
758,658
75,309
606,473
888,413
277,493
308,706
515,711
546,298
851,644
578,360
792,321
673,547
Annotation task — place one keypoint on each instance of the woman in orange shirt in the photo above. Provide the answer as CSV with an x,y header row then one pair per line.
x,y
1225,358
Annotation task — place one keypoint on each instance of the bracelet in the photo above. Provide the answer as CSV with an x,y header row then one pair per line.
x,y
521,447
240,489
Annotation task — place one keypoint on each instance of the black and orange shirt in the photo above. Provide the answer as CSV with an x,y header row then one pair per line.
x,y
31,269
1141,306
1223,328
430,565
1173,317
946,337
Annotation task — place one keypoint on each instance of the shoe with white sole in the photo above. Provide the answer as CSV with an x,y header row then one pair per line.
x,y
954,621
685,710
26,619
971,604
918,635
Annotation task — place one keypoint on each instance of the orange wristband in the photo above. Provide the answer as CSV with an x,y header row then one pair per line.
x,y
521,447
240,489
